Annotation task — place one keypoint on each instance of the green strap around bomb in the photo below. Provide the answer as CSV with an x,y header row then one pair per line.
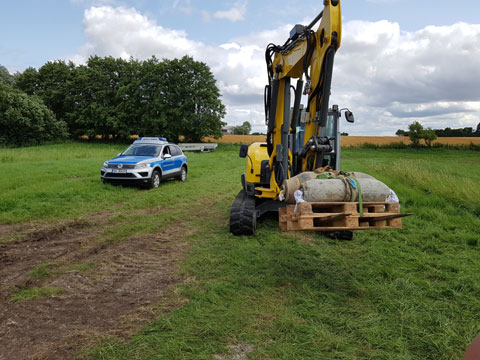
x,y
352,186
360,202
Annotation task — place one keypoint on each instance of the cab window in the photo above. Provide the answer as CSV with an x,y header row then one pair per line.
x,y
166,150
175,150
330,127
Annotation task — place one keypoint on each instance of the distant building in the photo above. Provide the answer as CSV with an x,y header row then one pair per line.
x,y
228,129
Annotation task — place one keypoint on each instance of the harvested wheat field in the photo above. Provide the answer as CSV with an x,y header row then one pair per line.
x,y
352,141
237,139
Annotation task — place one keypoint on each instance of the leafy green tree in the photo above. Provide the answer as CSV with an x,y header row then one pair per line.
x,y
116,97
415,132
54,78
80,97
5,77
243,129
477,132
25,120
51,84
429,135
94,93
192,104
401,133
28,81
153,101
462,132
131,98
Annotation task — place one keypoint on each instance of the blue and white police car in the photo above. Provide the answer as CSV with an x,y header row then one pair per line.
x,y
147,162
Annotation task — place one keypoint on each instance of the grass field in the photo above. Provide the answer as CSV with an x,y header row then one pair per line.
x,y
403,294
354,141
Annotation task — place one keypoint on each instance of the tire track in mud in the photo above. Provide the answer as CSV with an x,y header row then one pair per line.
x,y
42,243
116,297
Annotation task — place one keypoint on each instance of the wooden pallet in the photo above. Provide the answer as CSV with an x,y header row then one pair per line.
x,y
337,216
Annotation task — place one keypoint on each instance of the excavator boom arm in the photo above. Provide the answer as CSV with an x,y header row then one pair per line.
x,y
310,54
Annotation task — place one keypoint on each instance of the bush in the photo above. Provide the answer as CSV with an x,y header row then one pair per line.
x,y
243,129
429,135
25,120
415,132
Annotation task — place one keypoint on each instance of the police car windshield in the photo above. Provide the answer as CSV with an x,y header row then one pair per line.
x,y
142,150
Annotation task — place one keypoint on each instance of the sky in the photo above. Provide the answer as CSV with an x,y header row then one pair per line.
x,y
400,60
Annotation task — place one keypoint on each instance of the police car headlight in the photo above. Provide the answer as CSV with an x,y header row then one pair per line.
x,y
142,166
105,164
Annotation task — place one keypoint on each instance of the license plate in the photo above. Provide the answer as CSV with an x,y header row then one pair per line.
x,y
119,171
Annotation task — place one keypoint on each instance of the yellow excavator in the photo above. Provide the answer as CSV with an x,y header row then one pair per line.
x,y
300,160
299,138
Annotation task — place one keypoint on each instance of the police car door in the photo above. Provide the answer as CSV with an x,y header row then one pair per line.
x,y
177,157
167,162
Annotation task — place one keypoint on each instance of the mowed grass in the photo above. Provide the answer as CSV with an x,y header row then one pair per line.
x,y
403,294
63,181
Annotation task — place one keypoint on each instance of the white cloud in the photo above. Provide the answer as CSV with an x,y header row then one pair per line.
x,y
383,1
206,18
93,2
124,32
236,13
391,78
386,76
238,66
183,6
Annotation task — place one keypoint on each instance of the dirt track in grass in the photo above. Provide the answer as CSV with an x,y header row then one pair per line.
x,y
106,289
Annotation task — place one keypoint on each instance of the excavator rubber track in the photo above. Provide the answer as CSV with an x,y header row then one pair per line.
x,y
243,215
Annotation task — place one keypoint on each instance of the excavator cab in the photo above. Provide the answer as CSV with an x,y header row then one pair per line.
x,y
331,130
249,204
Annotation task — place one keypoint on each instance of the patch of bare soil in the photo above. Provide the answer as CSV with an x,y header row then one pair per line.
x,y
237,352
115,297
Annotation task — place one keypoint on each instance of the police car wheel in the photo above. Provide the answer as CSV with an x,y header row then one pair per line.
x,y
154,180
183,174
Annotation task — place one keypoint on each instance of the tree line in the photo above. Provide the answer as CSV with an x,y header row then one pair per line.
x,y
110,97
449,132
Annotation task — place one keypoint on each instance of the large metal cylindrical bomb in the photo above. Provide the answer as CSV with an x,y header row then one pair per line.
x,y
293,184
336,190
360,175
